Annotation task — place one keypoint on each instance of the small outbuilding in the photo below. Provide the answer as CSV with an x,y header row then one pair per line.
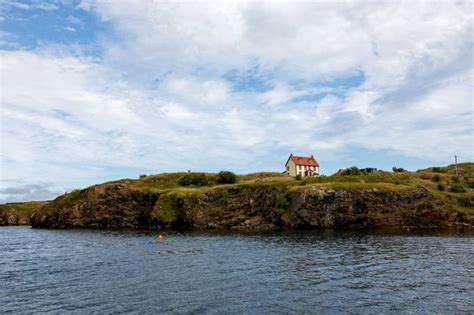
x,y
305,166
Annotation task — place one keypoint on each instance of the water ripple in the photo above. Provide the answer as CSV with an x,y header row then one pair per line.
x,y
306,272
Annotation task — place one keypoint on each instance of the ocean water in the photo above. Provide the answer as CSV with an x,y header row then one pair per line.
x,y
83,271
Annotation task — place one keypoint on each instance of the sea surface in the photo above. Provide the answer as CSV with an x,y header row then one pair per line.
x,y
83,271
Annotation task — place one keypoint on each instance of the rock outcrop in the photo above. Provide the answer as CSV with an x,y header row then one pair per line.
x,y
259,207
7,218
18,213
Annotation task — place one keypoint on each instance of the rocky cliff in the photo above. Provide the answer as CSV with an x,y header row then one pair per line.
x,y
262,207
18,213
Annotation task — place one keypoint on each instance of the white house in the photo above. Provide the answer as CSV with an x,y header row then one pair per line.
x,y
302,165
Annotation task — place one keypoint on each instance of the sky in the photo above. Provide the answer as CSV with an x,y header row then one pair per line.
x,y
98,90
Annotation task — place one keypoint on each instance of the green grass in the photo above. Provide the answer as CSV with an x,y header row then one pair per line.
x,y
393,181
175,197
22,210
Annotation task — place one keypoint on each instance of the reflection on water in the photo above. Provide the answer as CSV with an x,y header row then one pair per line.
x,y
101,271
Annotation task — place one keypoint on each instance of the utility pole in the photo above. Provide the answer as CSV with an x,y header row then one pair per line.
x,y
456,165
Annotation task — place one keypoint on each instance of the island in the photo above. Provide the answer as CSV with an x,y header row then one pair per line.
x,y
437,197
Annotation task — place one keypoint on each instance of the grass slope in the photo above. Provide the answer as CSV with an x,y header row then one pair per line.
x,y
438,180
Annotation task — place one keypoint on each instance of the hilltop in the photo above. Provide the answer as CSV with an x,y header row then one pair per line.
x,y
432,197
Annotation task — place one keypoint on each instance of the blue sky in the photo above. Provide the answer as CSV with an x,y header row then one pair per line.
x,y
99,90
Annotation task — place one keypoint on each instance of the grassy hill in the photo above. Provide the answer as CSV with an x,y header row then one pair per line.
x,y
452,193
456,191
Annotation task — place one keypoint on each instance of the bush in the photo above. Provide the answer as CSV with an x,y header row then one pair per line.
x,y
455,179
353,170
72,196
457,188
398,169
440,187
282,202
195,179
298,177
436,169
142,176
470,184
226,177
436,178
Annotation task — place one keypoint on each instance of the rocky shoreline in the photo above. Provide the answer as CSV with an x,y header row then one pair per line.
x,y
263,207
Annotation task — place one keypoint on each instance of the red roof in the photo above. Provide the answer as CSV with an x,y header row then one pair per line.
x,y
304,160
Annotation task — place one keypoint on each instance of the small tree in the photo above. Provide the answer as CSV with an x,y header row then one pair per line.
x,y
226,177
398,169
195,179
457,188
353,170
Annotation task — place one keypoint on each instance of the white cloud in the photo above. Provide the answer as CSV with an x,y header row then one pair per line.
x,y
197,92
32,5
304,39
74,20
69,29
158,97
27,192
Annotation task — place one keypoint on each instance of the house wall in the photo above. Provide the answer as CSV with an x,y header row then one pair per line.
x,y
291,168
294,169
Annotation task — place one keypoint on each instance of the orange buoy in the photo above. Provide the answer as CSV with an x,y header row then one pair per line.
x,y
160,237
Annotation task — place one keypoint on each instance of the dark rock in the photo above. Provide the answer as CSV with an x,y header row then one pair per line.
x,y
115,206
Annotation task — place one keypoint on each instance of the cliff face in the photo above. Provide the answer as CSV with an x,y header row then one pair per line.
x,y
264,207
18,213
7,218
111,206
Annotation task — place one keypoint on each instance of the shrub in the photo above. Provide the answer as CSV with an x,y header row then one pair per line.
x,y
195,179
226,177
282,202
455,179
470,184
353,170
398,169
440,187
142,176
167,208
457,188
436,169
436,178
72,196
298,177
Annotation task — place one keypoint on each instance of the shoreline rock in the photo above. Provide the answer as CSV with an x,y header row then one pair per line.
x,y
263,207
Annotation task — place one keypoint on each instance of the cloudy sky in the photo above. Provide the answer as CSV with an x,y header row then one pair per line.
x,y
100,90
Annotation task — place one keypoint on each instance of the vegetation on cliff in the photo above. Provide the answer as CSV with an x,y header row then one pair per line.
x,y
429,197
